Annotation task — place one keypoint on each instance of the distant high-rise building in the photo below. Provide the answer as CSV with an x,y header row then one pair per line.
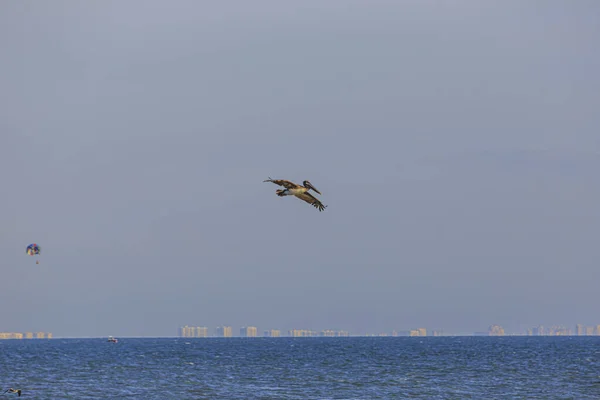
x,y
201,332
579,330
417,332
437,333
40,335
558,331
248,331
597,330
11,335
495,330
186,331
272,333
28,335
333,333
224,331
302,333
589,330
193,331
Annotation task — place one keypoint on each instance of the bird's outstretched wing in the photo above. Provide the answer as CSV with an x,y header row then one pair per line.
x,y
312,200
284,183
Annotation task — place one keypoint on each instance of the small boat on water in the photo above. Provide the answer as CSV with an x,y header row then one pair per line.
x,y
112,339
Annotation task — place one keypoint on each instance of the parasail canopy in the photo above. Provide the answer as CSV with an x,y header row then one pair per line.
x,y
33,249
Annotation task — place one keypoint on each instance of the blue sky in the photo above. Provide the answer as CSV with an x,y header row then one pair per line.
x,y
456,145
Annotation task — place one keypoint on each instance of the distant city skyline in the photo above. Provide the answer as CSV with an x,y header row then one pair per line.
x,y
26,335
226,331
492,330
250,331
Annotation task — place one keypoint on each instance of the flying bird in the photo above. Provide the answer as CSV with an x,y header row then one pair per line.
x,y
300,191
11,390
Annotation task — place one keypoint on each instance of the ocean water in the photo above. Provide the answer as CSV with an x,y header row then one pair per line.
x,y
304,368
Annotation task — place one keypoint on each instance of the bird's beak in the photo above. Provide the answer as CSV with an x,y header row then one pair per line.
x,y
313,188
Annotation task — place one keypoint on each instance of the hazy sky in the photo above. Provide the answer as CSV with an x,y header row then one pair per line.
x,y
456,143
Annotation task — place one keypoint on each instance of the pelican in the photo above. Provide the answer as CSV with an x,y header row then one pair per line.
x,y
300,191
11,390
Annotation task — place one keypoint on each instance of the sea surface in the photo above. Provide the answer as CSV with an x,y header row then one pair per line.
x,y
304,368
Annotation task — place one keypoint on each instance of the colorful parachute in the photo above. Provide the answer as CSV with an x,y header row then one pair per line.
x,y
33,249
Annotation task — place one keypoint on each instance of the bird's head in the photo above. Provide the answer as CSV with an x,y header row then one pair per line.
x,y
309,185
